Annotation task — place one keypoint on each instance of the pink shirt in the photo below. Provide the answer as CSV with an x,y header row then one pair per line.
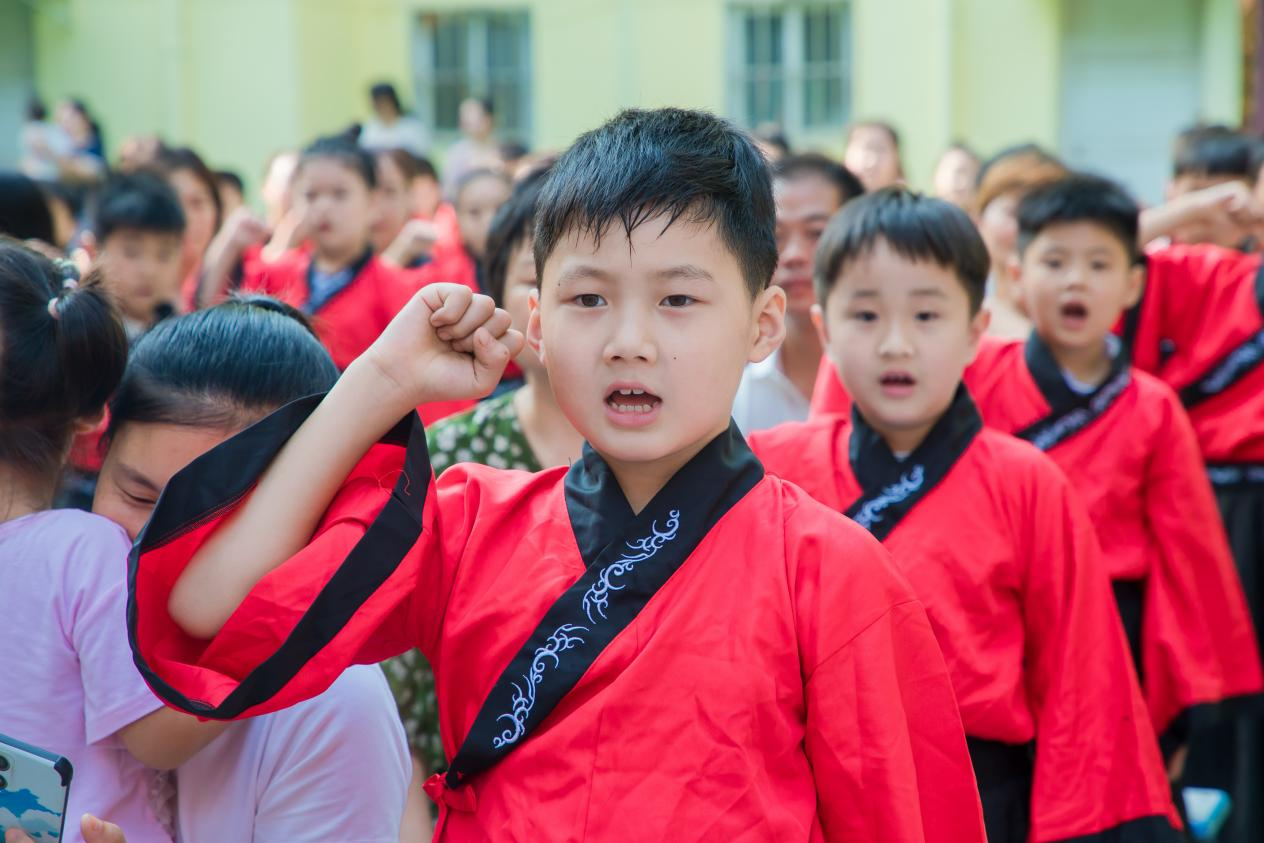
x,y
65,665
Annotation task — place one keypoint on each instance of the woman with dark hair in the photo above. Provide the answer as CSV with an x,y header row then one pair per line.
x,y
195,185
391,126
84,161
190,383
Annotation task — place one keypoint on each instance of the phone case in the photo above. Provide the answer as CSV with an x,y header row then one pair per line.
x,y
36,784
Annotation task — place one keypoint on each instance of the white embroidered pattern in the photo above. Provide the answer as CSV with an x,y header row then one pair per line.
x,y
1080,417
597,598
566,636
909,482
562,639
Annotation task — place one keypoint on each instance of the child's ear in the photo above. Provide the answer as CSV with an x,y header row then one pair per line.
x,y
770,323
978,329
535,339
1136,284
87,424
820,324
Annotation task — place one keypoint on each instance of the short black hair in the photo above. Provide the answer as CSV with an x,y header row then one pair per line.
x,y
915,227
1214,150
815,164
386,91
343,150
425,168
511,226
222,367
138,202
24,211
672,161
1080,198
228,177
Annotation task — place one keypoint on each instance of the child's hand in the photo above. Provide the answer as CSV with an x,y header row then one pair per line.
x,y
415,239
446,344
243,229
92,829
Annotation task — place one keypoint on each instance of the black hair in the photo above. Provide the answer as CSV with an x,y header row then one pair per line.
x,y
138,201
1213,150
815,164
425,168
773,135
24,212
1034,150
62,352
35,109
230,178
484,103
171,161
915,227
669,161
222,367
511,226
403,160
1080,198
386,91
512,150
345,152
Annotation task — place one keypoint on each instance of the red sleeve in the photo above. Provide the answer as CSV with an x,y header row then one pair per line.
x,y
1198,643
370,584
884,736
1098,767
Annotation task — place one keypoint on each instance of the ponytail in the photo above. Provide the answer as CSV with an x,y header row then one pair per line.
x,y
62,353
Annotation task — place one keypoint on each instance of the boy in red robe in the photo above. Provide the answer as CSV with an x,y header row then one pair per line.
x,y
661,642
987,530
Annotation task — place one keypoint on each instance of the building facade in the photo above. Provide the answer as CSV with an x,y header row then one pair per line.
x,y
1105,82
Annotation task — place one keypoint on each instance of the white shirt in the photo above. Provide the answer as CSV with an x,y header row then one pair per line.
x,y
766,397
407,132
334,767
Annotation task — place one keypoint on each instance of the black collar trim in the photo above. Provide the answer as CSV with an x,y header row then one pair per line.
x,y
315,304
1069,412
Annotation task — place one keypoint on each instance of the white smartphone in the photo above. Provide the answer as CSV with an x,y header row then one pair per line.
x,y
34,787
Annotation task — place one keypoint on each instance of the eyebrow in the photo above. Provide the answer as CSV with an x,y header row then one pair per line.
x,y
138,478
583,272
687,271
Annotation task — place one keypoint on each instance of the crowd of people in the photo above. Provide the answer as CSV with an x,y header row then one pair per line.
x,y
679,485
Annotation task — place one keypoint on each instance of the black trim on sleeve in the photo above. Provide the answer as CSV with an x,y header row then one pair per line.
x,y
224,475
629,557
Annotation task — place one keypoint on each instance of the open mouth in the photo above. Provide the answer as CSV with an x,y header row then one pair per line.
x,y
1074,311
632,400
898,379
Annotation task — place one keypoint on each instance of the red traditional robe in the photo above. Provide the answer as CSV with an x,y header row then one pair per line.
x,y
778,682
991,538
350,319
1133,457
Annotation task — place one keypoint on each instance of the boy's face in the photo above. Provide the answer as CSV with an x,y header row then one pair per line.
x,y
337,206
645,337
804,207
1076,278
141,269
475,208
900,334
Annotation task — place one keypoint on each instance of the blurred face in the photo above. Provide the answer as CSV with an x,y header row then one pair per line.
x,y
872,156
427,196
141,461
73,122
337,205
474,120
900,334
804,207
955,178
230,197
199,214
998,223
1076,279
276,192
520,283
142,270
384,108
394,202
475,206
1219,229
645,338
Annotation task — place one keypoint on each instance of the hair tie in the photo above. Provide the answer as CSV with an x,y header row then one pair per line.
x,y
52,308
70,283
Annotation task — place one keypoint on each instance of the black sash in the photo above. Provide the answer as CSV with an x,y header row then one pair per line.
x,y
1069,412
1224,475
1234,365
893,487
314,304
629,557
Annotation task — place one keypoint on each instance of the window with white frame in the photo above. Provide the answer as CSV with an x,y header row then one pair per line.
x,y
790,64
474,54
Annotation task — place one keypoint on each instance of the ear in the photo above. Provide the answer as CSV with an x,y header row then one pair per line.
x,y
978,329
1136,283
820,324
770,323
88,424
534,335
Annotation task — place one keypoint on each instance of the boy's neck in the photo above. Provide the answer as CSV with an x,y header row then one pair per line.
x,y
800,357
552,438
1089,364
640,481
